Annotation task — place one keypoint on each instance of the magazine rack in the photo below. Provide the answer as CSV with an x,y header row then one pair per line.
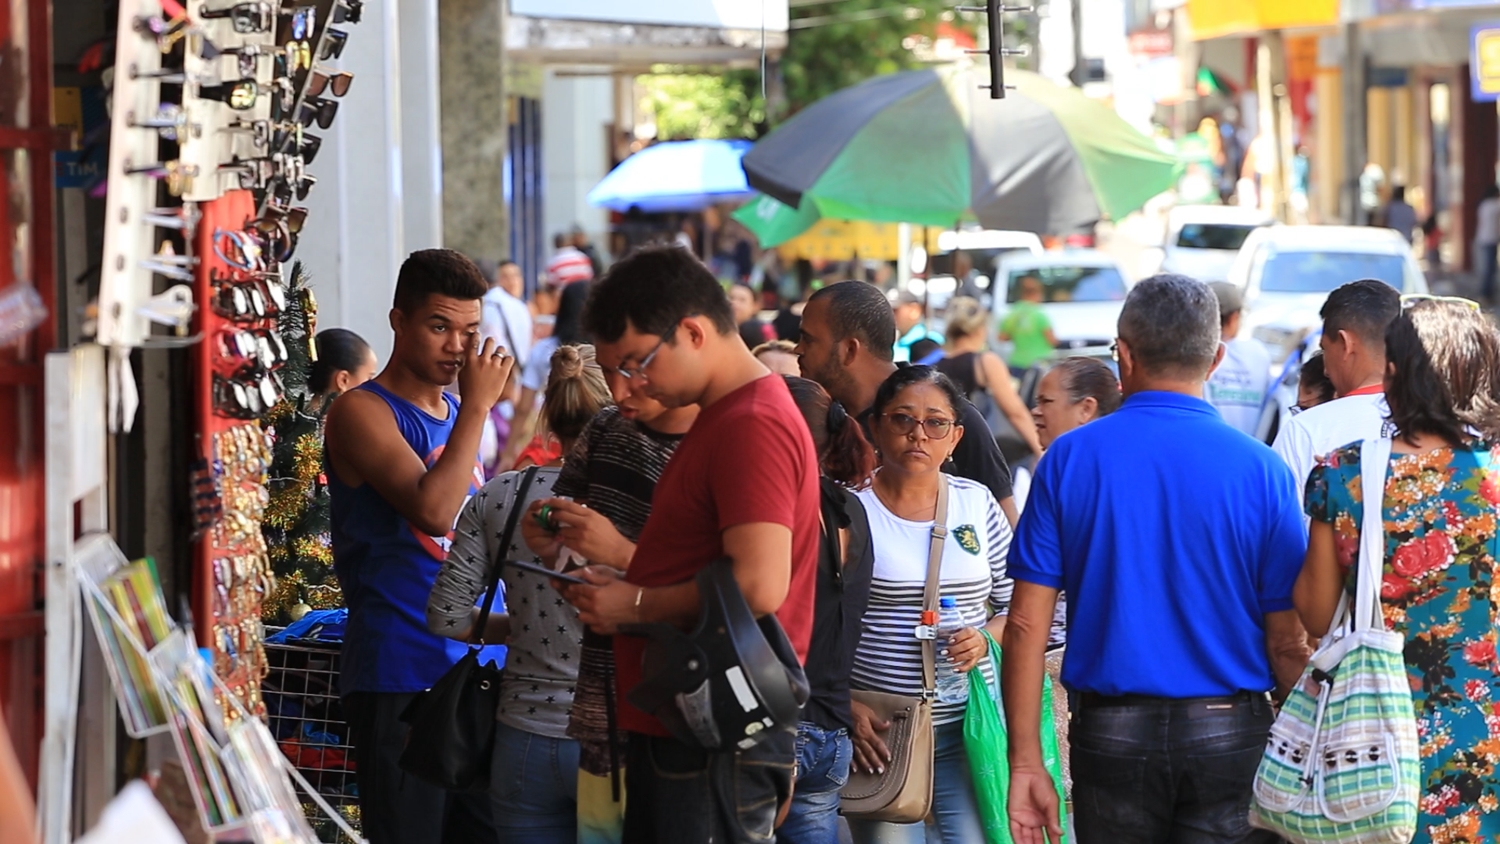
x,y
242,785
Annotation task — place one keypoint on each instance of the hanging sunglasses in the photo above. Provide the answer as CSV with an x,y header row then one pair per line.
x,y
262,350
238,249
239,95
258,130
237,400
337,83
348,11
304,21
273,215
170,121
245,17
278,239
167,32
179,176
320,110
297,56
247,56
333,45
238,301
283,192
208,506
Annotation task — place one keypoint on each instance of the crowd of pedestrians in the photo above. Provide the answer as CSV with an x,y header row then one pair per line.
x,y
1148,555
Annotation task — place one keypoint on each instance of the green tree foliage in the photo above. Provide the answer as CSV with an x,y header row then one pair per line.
x,y
839,43
699,105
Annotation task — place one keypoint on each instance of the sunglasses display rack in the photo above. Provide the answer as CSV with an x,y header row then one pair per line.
x,y
242,787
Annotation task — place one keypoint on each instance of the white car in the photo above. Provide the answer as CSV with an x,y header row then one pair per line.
x,y
985,249
1203,240
1085,290
1287,272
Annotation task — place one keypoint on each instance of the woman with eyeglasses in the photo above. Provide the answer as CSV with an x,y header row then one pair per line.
x,y
1440,506
915,431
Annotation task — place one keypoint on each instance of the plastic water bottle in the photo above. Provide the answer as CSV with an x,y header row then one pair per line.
x,y
952,687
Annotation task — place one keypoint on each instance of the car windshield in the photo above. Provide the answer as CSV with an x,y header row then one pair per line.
x,y
1213,236
984,260
1322,272
1071,284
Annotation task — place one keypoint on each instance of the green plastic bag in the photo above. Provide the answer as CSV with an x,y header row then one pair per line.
x,y
987,747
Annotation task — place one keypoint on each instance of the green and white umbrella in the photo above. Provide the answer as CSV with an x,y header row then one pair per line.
x,y
928,147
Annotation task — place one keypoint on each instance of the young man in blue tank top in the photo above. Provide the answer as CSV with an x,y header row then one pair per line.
x,y
402,460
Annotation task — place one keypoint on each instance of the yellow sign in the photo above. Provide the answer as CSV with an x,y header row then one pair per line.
x,y
1486,62
1218,18
842,240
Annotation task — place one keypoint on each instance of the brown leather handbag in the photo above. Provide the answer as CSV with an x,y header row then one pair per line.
x,y
903,794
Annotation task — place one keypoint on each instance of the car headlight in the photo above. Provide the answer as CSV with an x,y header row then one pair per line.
x,y
1281,341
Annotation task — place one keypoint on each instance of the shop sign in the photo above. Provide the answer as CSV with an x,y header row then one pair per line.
x,y
1150,43
1484,62
82,110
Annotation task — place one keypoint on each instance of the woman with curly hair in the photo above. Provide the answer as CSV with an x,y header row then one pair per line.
x,y
1439,586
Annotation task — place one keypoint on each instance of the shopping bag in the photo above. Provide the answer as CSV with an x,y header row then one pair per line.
x,y
1342,765
986,745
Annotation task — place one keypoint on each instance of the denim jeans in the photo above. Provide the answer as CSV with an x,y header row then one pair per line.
x,y
823,759
953,804
677,794
1162,770
534,787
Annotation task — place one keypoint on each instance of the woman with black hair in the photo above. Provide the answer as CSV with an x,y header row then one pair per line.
x,y
915,430
1441,548
344,362
824,749
522,448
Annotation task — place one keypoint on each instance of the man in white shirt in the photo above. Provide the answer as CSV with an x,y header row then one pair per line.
x,y
1355,318
504,318
1237,389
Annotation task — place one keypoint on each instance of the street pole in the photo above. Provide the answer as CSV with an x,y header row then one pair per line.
x,y
1354,123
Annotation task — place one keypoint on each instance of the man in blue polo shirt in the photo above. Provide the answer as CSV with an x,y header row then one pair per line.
x,y
1177,539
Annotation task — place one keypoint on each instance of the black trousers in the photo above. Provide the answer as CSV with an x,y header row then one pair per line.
x,y
677,794
1161,771
395,807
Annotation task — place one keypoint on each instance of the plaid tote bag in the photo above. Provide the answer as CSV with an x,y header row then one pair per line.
x,y
1342,763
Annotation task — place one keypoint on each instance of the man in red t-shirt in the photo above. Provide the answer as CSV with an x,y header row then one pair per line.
x,y
743,484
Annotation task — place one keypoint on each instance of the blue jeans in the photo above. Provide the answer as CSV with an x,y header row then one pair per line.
x,y
953,804
823,759
534,787
1156,770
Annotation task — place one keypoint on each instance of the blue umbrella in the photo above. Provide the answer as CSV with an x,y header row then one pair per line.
x,y
676,176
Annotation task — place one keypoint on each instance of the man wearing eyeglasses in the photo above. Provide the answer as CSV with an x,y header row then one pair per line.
x,y
743,483
1355,318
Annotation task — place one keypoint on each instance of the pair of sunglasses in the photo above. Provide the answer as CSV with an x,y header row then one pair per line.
x,y
336,83
273,215
348,11
247,397
170,121
246,18
183,218
333,45
247,300
253,351
239,249
318,110
239,94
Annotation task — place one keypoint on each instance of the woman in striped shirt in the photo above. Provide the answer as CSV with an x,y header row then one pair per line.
x,y
915,431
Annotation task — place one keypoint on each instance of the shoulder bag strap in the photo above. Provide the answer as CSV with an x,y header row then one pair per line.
x,y
476,636
930,589
1375,459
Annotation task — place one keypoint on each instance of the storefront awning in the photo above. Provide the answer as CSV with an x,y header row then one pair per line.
x,y
1218,18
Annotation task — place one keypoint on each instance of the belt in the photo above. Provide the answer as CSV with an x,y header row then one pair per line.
x,y
1089,700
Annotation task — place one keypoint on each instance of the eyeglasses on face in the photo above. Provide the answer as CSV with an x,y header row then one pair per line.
x,y
638,372
935,427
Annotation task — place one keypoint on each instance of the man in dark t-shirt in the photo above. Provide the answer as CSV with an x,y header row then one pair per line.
x,y
848,332
743,484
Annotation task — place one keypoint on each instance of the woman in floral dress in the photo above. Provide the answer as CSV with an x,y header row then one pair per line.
x,y
1439,589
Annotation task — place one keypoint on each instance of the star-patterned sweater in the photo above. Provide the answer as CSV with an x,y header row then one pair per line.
x,y
541,667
